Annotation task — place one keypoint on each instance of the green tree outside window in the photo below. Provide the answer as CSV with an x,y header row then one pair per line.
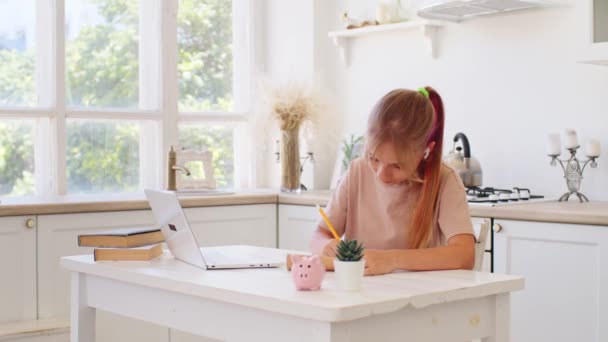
x,y
102,71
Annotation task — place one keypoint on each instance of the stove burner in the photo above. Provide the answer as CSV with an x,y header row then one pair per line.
x,y
493,195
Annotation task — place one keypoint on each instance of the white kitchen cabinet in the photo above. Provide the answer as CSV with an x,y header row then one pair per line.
x,y
253,225
297,223
57,237
18,266
600,21
566,275
595,19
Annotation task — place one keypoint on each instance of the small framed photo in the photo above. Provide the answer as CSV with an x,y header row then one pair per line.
x,y
200,164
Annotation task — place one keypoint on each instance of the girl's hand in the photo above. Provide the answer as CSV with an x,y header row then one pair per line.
x,y
377,262
330,248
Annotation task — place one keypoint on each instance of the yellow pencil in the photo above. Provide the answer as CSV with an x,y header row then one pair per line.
x,y
333,231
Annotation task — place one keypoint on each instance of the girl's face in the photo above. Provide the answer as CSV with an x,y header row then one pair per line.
x,y
387,168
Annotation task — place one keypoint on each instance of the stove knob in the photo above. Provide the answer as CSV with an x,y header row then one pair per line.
x,y
494,198
505,197
514,196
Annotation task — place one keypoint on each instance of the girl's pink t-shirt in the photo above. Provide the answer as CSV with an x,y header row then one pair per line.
x,y
377,214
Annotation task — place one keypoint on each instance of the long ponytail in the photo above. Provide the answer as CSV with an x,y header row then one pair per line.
x,y
421,228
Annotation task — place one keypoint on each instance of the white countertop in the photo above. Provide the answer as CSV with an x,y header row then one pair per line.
x,y
14,206
593,213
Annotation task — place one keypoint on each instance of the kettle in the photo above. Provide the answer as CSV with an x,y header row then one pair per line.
x,y
468,168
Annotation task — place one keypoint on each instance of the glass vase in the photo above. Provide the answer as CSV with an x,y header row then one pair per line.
x,y
290,160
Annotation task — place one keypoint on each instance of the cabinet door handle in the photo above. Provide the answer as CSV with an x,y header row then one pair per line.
x,y
497,228
30,223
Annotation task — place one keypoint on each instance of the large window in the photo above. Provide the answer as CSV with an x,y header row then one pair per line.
x,y
17,53
102,156
17,157
205,55
94,92
101,53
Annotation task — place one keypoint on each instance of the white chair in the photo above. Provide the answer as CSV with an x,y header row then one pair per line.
x,y
481,228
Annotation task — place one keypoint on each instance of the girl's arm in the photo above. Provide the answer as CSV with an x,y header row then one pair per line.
x,y
459,253
323,243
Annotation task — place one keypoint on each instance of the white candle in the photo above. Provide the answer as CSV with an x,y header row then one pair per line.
x,y
571,139
384,13
592,150
554,145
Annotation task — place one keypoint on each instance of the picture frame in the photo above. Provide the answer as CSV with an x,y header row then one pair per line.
x,y
200,164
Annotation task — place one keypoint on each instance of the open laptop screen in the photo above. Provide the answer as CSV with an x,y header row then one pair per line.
x,y
175,227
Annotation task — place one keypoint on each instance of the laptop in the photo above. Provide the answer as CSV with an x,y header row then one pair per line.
x,y
179,237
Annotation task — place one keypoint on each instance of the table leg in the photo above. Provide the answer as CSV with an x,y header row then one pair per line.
x,y
82,316
502,330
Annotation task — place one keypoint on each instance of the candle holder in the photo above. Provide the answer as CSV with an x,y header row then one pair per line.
x,y
573,173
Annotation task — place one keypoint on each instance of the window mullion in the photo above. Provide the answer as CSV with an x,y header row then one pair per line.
x,y
59,132
241,54
244,60
44,85
169,79
44,53
42,157
149,91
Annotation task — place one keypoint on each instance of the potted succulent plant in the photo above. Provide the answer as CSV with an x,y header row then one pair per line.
x,y
349,265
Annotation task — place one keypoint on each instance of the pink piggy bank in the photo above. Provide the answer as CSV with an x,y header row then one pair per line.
x,y
307,272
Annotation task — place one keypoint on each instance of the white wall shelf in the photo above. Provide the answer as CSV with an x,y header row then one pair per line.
x,y
596,52
428,28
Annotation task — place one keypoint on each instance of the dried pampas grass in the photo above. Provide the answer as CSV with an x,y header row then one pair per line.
x,y
293,103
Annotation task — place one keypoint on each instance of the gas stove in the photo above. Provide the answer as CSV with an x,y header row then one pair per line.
x,y
493,196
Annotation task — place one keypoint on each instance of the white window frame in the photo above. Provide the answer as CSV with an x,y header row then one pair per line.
x,y
157,114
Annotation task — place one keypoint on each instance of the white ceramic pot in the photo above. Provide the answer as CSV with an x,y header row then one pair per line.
x,y
349,274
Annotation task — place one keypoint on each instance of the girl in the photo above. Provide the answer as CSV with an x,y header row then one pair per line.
x,y
407,207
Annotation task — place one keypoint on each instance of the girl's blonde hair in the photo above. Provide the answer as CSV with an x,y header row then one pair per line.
x,y
411,121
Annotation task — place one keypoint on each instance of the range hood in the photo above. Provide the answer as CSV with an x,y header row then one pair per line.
x,y
458,10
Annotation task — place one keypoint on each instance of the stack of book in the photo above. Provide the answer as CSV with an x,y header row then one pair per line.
x,y
124,244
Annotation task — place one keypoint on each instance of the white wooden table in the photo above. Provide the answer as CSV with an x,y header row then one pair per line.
x,y
263,305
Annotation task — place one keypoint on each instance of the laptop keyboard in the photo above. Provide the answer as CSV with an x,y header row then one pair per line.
x,y
214,256
238,255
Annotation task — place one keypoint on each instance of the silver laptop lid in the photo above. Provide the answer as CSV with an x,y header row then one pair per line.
x,y
175,227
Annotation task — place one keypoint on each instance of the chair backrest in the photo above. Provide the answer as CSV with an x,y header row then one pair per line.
x,y
481,228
